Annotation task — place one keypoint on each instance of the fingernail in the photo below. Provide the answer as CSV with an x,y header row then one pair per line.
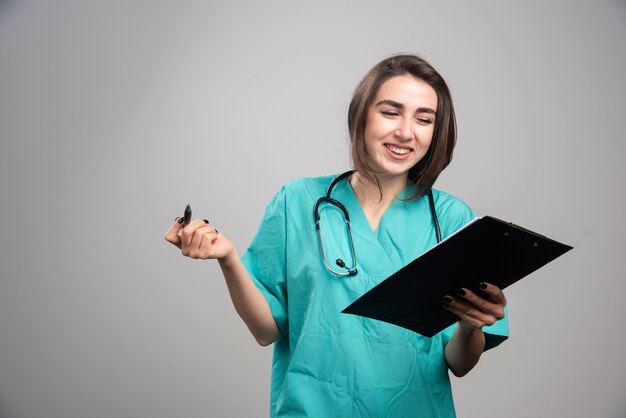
x,y
445,305
176,219
447,300
181,220
461,292
205,221
483,285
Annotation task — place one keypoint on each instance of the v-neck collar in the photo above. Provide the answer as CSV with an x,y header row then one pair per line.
x,y
379,260
404,231
345,187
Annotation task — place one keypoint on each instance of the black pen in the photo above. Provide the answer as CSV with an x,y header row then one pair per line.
x,y
187,216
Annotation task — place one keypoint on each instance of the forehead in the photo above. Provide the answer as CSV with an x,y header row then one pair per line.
x,y
410,91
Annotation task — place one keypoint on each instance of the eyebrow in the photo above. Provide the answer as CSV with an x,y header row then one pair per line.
x,y
400,106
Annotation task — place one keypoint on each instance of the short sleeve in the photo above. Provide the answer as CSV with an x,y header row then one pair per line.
x,y
494,334
454,214
498,332
265,259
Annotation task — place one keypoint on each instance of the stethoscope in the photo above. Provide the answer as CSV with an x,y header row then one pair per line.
x,y
352,271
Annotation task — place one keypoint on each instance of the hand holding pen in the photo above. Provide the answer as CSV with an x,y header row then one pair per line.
x,y
197,239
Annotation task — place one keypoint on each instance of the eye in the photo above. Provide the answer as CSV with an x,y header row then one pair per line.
x,y
424,121
389,113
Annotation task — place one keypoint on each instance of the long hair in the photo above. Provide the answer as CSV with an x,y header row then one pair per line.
x,y
439,154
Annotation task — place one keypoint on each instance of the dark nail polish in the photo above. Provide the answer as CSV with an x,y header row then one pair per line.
x,y
181,220
447,299
483,285
205,221
445,305
461,292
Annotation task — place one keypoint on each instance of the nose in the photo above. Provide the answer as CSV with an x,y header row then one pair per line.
x,y
404,130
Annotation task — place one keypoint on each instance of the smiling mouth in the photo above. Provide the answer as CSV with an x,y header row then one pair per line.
x,y
398,150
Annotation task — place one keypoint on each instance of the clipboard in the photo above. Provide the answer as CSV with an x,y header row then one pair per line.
x,y
486,250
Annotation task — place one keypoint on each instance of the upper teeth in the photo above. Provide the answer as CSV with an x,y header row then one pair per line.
x,y
398,150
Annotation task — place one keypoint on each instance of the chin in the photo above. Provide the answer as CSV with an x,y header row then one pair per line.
x,y
393,173
398,170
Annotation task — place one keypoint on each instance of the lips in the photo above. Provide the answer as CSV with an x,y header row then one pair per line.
x,y
398,150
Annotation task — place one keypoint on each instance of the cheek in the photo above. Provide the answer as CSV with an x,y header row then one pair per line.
x,y
370,137
369,143
429,141
427,136
376,131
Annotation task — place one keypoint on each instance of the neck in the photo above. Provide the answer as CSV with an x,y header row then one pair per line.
x,y
368,192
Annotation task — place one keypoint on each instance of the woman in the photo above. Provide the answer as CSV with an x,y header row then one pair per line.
x,y
402,130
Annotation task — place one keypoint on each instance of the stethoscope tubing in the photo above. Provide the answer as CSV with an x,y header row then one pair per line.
x,y
352,271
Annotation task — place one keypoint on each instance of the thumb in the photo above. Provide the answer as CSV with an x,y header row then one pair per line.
x,y
171,235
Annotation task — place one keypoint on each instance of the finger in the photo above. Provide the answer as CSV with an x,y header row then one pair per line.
x,y
494,292
489,306
465,317
195,247
188,233
171,235
209,236
475,299
468,312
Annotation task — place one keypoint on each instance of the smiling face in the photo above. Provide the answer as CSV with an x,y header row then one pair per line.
x,y
400,124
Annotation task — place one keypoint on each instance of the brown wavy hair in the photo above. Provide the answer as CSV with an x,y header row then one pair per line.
x,y
439,154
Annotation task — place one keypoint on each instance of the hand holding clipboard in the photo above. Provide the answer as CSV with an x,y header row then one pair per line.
x,y
485,250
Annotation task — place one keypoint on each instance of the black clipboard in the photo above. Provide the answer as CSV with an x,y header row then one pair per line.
x,y
485,250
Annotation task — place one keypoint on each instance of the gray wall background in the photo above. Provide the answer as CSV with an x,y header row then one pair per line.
x,y
115,114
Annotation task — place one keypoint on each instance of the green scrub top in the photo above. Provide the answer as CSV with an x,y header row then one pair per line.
x,y
330,364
